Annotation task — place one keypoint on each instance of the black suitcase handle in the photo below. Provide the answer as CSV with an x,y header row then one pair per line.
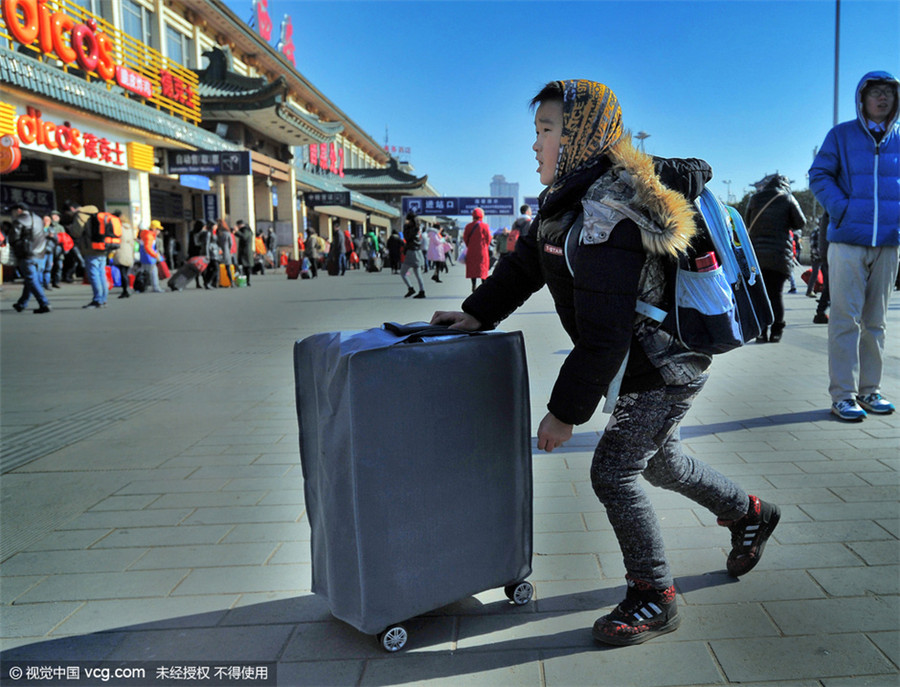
x,y
418,331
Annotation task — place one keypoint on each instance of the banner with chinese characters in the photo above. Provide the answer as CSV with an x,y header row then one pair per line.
x,y
61,135
66,34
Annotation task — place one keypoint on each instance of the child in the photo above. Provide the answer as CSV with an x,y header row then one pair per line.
x,y
637,216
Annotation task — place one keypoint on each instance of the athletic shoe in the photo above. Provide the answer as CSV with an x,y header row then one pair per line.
x,y
820,318
749,535
876,403
644,614
848,410
421,294
42,310
411,291
18,307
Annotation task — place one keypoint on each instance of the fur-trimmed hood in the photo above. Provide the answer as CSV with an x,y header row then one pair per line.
x,y
634,188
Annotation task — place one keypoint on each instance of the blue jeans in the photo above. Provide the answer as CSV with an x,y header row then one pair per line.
x,y
31,275
46,267
96,269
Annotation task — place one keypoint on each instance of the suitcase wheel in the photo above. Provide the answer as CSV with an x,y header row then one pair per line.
x,y
520,594
393,638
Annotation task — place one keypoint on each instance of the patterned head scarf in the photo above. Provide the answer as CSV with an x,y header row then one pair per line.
x,y
592,124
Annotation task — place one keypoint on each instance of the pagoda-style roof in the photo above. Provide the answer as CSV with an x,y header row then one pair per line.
x,y
263,105
384,180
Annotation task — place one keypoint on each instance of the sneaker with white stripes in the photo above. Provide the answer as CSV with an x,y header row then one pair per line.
x,y
876,403
848,410
749,535
644,614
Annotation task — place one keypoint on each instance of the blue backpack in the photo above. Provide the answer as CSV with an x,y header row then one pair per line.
x,y
718,310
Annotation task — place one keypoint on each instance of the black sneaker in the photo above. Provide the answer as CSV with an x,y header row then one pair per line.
x,y
18,307
644,614
749,535
43,309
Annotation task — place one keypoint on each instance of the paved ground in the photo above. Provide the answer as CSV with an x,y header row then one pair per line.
x,y
152,506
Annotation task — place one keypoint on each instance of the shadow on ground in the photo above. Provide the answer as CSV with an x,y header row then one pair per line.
x,y
299,633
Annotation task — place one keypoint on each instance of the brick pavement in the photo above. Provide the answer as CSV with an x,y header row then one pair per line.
x,y
152,506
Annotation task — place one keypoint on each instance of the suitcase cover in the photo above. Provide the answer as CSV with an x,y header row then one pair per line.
x,y
416,457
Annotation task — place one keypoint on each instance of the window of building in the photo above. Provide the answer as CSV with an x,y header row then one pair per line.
x,y
92,6
137,21
179,47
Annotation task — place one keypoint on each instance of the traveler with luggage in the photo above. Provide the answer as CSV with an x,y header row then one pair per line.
x,y
637,218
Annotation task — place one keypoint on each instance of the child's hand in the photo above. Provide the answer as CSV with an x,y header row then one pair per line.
x,y
553,433
456,320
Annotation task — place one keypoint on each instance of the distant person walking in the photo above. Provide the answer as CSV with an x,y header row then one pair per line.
x,y
412,251
771,214
477,237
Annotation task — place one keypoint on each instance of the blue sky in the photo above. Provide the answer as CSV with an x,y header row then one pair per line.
x,y
746,85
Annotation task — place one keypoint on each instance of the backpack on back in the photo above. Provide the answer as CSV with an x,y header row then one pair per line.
x,y
106,231
719,300
20,239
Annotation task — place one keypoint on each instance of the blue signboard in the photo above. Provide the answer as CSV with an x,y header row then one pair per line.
x,y
197,181
492,206
210,207
235,163
532,202
422,205
450,206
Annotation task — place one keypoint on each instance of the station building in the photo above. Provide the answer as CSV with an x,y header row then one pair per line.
x,y
179,111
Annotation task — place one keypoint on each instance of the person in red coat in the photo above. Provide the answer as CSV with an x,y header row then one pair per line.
x,y
477,237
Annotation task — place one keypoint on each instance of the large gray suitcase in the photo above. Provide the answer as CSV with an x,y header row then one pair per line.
x,y
415,444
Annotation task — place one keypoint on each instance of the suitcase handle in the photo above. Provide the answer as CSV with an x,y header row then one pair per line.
x,y
417,331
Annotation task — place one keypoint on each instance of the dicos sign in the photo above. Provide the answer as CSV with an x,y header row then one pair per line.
x,y
57,33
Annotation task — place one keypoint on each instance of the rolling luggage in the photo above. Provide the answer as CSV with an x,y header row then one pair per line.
x,y
226,274
187,273
440,511
292,269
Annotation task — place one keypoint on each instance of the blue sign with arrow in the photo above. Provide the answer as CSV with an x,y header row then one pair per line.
x,y
450,206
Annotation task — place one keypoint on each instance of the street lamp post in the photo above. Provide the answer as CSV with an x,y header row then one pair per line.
x,y
641,135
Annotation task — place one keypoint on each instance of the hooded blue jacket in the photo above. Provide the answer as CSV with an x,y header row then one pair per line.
x,y
857,180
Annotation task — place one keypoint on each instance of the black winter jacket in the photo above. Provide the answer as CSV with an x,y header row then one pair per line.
x,y
771,226
613,268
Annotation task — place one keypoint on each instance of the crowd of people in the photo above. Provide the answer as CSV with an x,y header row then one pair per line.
x,y
57,248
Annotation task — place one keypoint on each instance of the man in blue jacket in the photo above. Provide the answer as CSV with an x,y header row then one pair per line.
x,y
856,177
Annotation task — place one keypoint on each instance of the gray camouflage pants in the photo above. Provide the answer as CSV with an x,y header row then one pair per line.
x,y
643,438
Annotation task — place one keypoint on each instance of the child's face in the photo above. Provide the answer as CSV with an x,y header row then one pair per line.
x,y
548,124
